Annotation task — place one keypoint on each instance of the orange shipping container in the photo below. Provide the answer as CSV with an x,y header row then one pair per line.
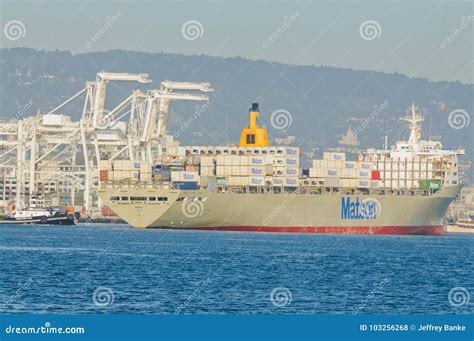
x,y
104,175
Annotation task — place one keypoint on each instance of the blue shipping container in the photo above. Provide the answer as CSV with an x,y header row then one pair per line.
x,y
185,185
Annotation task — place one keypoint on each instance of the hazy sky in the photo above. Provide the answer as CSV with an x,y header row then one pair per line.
x,y
430,39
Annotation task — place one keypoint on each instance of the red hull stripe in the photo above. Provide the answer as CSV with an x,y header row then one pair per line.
x,y
396,230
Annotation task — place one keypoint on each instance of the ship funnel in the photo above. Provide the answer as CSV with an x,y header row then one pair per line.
x,y
254,135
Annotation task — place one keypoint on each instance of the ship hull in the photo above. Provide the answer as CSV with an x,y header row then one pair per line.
x,y
337,213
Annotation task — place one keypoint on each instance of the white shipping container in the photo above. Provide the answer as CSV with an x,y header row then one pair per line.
x,y
279,161
375,183
363,183
345,182
291,182
257,160
332,173
352,173
365,174
292,161
185,176
207,171
269,159
365,165
104,165
316,164
334,156
235,170
220,170
269,170
292,171
256,181
277,181
256,171
244,170
243,160
238,181
292,151
315,172
278,171
350,165
207,161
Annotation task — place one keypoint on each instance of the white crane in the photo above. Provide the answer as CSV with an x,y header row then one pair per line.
x,y
101,86
168,92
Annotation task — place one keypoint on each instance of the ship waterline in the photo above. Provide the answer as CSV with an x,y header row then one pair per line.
x,y
336,212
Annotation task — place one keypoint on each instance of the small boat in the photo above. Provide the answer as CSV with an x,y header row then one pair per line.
x,y
39,213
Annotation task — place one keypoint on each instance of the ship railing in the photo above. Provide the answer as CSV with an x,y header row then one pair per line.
x,y
127,184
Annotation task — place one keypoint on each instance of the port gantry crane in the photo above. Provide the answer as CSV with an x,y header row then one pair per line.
x,y
100,134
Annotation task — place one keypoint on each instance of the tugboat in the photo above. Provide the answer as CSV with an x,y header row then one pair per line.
x,y
37,212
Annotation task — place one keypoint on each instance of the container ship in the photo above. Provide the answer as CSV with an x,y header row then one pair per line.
x,y
402,190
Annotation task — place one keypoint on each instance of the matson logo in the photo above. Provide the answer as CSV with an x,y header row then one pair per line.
x,y
364,210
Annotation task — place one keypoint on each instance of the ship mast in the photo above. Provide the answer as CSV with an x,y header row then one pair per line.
x,y
415,127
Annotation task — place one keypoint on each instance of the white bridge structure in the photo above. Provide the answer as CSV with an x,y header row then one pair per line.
x,y
50,154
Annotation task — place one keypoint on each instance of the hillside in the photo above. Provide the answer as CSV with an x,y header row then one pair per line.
x,y
323,101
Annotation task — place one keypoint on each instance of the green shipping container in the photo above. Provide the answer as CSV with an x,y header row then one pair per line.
x,y
430,184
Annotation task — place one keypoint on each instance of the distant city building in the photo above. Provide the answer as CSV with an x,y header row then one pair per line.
x,y
349,138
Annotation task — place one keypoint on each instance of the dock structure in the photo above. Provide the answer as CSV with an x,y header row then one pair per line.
x,y
53,155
